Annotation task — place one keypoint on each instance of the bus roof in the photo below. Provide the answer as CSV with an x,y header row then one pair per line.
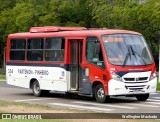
x,y
50,31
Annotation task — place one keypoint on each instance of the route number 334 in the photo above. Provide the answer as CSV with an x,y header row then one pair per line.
x,y
10,71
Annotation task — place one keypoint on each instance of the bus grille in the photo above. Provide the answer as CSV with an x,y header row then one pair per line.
x,y
135,88
136,80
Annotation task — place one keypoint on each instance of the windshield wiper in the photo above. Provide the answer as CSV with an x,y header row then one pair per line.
x,y
134,52
127,56
126,59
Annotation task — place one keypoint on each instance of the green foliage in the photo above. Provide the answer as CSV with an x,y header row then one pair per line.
x,y
2,71
158,86
2,74
2,77
20,15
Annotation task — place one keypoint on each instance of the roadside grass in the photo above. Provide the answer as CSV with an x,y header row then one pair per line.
x,y
2,74
6,103
2,77
158,86
38,107
31,108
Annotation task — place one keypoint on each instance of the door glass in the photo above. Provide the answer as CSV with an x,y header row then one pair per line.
x,y
73,52
80,62
74,65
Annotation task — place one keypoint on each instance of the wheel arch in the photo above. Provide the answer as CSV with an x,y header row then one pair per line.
x,y
31,82
95,83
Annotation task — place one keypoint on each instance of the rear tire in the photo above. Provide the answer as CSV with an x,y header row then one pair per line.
x,y
100,94
37,91
142,97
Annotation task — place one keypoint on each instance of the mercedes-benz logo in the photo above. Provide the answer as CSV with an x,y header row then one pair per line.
x,y
137,79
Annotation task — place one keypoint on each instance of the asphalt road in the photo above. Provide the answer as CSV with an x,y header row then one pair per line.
x,y
61,101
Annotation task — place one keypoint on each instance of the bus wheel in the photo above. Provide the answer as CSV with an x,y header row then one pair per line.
x,y
37,91
100,94
142,97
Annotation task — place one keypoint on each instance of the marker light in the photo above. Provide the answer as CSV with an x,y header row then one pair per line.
x,y
154,75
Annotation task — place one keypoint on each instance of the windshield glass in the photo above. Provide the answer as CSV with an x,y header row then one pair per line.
x,y
127,49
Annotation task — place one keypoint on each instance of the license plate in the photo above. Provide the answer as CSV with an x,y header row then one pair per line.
x,y
136,91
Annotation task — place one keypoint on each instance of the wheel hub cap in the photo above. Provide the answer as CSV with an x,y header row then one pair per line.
x,y
100,93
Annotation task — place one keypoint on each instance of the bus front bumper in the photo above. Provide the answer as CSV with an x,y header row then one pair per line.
x,y
121,88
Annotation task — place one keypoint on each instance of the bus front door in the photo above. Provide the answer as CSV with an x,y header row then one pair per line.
x,y
75,64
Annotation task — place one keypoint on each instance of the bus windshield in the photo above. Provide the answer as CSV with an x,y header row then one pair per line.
x,y
127,49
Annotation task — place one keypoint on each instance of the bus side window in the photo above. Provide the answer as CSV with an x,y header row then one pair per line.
x,y
17,49
94,55
54,49
35,49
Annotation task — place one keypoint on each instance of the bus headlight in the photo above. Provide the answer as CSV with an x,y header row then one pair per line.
x,y
115,76
154,75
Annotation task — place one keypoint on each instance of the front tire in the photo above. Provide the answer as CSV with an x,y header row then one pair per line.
x,y
142,97
37,91
100,94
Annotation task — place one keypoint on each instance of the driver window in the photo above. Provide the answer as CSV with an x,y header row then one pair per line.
x,y
94,52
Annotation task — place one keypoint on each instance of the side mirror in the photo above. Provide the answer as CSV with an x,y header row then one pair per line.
x,y
87,72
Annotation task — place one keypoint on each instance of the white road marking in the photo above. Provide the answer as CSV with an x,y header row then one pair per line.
x,y
143,105
153,103
25,100
82,107
156,97
154,93
153,100
107,105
